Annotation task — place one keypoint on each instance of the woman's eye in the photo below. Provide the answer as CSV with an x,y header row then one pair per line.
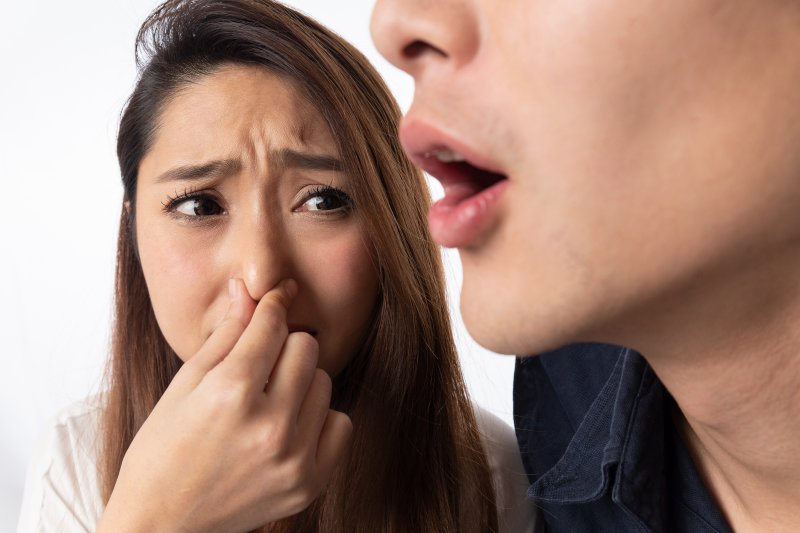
x,y
332,200
198,206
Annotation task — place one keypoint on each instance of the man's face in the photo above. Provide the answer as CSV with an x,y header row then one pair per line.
x,y
636,148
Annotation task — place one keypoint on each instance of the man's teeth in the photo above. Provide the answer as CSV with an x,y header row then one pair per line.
x,y
448,156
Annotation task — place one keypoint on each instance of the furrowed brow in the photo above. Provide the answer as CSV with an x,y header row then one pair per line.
x,y
303,160
218,168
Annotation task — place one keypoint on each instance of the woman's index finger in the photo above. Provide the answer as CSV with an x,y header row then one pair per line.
x,y
223,338
258,348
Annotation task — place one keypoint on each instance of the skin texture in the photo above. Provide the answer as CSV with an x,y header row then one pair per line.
x,y
618,151
651,149
244,435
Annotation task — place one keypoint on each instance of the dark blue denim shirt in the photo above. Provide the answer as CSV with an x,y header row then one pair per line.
x,y
594,425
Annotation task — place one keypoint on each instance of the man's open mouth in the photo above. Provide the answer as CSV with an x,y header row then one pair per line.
x,y
460,179
472,185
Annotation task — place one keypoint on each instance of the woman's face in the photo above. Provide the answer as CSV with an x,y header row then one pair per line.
x,y
243,180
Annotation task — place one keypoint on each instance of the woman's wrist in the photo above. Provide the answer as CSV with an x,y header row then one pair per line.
x,y
132,517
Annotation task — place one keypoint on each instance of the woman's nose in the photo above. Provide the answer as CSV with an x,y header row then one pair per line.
x,y
415,35
259,257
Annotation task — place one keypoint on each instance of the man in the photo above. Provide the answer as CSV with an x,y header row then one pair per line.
x,y
625,172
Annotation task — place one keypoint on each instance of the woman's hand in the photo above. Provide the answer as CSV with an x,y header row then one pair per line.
x,y
223,452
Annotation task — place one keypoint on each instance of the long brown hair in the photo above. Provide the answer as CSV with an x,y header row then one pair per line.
x,y
416,462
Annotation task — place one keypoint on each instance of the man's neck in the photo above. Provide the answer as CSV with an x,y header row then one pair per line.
x,y
729,353
742,426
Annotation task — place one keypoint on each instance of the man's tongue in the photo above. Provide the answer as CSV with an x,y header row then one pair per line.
x,y
456,193
471,180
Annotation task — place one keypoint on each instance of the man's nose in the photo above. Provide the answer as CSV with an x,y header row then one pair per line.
x,y
415,35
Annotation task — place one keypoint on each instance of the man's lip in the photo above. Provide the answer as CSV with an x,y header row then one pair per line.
x,y
295,328
473,187
421,140
461,223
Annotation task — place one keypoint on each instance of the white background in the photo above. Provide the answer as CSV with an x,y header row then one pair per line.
x,y
66,68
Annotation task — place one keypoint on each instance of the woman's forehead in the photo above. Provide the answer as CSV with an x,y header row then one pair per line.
x,y
239,114
244,102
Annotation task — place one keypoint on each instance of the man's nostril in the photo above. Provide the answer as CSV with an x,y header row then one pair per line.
x,y
418,48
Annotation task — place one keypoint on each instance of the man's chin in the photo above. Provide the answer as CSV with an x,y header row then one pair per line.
x,y
505,334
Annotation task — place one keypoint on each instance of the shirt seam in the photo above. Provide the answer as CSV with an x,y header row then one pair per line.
x,y
644,383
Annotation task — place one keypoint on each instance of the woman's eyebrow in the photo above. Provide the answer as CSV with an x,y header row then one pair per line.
x,y
218,168
285,158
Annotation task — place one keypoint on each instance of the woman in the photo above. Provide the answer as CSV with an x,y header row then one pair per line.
x,y
273,234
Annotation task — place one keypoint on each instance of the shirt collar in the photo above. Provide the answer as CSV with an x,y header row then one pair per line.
x,y
619,445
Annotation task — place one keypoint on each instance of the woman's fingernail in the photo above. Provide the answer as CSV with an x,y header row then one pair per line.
x,y
233,291
290,286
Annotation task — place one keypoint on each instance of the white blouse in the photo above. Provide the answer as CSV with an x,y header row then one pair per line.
x,y
62,491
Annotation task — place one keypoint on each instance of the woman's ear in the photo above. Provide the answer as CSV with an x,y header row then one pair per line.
x,y
130,225
127,212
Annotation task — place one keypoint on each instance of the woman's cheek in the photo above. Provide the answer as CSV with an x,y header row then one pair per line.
x,y
345,272
173,267
340,273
